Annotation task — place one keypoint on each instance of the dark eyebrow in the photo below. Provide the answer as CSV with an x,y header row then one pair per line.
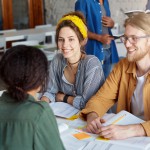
x,y
67,37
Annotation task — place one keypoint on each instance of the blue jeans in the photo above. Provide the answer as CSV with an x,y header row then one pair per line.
x,y
107,65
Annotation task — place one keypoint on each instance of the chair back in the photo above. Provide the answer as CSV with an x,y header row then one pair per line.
x,y
29,43
43,26
2,44
40,37
6,31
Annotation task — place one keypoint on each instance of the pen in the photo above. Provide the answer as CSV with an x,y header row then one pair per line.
x,y
120,118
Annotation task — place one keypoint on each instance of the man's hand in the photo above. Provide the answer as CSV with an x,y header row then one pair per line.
x,y
118,132
107,22
93,123
113,132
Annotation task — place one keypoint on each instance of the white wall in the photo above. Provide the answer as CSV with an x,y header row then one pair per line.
x,y
56,8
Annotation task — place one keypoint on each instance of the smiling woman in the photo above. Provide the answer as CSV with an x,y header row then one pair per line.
x,y
74,76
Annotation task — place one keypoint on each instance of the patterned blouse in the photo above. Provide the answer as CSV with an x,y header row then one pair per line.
x,y
89,78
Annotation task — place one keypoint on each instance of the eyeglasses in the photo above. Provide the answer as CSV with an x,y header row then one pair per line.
x,y
132,39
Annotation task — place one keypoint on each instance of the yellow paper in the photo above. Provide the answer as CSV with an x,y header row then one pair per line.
x,y
81,135
102,138
73,117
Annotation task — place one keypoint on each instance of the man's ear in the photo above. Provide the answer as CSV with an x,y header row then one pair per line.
x,y
83,43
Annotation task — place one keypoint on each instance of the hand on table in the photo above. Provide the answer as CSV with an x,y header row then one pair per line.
x,y
113,132
60,97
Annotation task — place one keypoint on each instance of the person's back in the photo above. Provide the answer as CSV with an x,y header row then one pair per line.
x,y
25,123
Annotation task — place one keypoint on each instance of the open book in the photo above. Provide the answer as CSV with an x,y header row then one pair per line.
x,y
129,13
64,110
75,139
123,118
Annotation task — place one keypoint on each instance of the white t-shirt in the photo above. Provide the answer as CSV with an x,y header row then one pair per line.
x,y
137,98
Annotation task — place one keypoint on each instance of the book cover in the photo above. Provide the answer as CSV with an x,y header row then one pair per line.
x,y
129,13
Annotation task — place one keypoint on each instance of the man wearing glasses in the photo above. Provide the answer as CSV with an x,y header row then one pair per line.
x,y
128,85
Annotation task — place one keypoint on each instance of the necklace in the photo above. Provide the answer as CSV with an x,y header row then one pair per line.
x,y
73,70
76,61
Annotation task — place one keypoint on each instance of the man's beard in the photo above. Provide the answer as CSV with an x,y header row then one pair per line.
x,y
138,55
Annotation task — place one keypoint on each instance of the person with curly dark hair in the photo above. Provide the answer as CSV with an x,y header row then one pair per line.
x,y
26,123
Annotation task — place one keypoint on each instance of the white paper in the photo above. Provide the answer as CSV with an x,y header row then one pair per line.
x,y
63,109
62,127
123,118
107,146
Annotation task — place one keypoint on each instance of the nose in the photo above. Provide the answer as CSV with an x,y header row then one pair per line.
x,y
65,43
127,43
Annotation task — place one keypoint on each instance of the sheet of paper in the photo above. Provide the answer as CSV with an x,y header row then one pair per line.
x,y
123,118
77,123
72,143
107,146
62,127
63,109
139,142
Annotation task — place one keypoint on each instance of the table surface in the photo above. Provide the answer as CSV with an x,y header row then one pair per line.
x,y
21,34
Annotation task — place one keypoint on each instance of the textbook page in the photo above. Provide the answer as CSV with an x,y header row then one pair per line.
x,y
126,118
107,146
72,135
129,13
123,118
137,142
62,109
68,137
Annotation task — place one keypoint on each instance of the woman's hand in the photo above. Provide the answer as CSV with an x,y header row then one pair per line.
x,y
44,98
59,97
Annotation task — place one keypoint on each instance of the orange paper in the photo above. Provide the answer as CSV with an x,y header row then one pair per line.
x,y
81,135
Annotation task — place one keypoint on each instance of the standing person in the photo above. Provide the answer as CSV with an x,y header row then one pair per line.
x,y
148,5
25,123
74,76
128,85
100,42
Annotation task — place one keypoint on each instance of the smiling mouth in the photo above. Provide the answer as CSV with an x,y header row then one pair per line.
x,y
131,51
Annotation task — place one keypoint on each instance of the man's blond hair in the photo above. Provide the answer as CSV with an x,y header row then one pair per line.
x,y
139,20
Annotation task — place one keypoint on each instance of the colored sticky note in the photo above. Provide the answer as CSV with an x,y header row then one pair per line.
x,y
102,138
73,117
81,135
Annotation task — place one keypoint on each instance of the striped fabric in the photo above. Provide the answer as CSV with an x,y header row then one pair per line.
x,y
89,79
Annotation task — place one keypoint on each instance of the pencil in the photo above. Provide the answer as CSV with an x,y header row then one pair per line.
x,y
120,118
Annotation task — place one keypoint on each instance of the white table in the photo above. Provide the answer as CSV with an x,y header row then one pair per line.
x,y
21,34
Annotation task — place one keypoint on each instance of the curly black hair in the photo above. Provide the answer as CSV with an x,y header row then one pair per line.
x,y
23,68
